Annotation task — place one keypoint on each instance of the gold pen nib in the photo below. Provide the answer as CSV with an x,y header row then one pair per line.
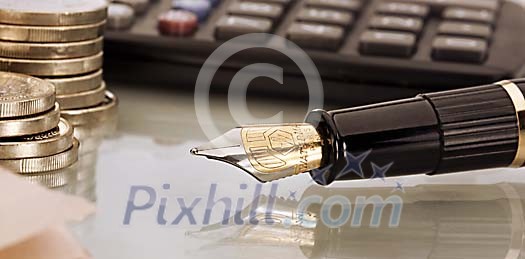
x,y
267,152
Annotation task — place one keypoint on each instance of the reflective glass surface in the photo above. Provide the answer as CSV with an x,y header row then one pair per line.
x,y
155,200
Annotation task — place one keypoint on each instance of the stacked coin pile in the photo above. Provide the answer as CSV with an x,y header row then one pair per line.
x,y
58,40
34,141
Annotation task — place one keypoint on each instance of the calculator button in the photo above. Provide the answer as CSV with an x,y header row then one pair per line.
x,y
459,49
214,2
345,5
491,5
233,26
465,29
177,23
469,15
120,16
272,11
397,23
201,8
139,6
387,43
315,35
325,16
405,9
281,2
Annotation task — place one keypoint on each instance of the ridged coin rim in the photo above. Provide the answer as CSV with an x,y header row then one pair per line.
x,y
30,125
59,67
54,34
23,148
83,99
25,50
76,84
43,164
90,13
53,179
27,106
95,114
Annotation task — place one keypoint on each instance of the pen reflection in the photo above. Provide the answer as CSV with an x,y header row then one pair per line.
x,y
436,221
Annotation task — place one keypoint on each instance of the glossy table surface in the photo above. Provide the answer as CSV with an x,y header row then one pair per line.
x,y
155,200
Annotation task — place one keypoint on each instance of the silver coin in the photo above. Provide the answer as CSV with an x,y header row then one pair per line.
x,y
83,99
52,12
43,164
22,95
93,115
77,84
78,49
43,144
30,125
51,34
50,67
53,179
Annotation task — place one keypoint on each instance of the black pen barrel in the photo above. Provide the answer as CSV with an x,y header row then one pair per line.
x,y
452,131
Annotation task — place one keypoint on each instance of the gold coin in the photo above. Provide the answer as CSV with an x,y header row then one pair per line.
x,y
43,144
9,49
22,95
93,115
83,99
77,84
31,125
44,34
43,164
59,67
52,12
53,179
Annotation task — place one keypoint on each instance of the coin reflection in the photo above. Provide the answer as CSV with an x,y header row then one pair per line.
x,y
91,126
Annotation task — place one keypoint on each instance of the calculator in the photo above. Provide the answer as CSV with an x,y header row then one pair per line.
x,y
364,50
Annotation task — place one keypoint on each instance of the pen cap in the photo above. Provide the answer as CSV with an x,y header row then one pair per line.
x,y
402,135
459,130
478,125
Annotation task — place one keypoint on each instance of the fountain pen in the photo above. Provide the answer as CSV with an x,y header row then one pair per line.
x,y
434,133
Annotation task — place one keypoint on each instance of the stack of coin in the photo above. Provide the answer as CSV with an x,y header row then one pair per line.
x,y
34,141
58,40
